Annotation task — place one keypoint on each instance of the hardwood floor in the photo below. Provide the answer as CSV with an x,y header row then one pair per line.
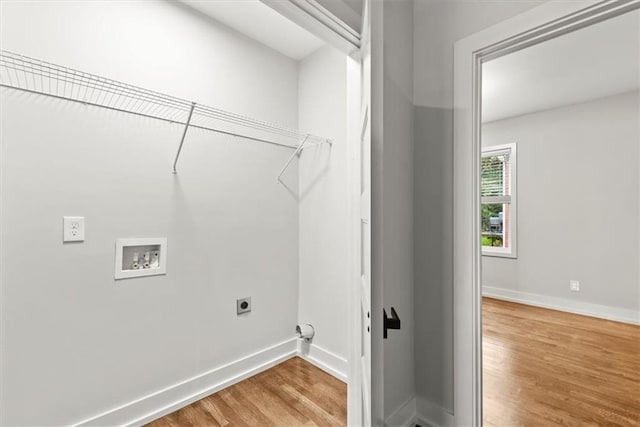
x,y
293,393
544,367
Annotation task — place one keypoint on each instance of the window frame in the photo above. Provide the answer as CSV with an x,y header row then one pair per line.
x,y
511,251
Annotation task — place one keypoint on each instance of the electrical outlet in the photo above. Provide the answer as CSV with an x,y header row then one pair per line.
x,y
574,285
243,305
73,229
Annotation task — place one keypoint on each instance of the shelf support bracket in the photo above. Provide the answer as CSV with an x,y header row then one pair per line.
x,y
184,134
295,153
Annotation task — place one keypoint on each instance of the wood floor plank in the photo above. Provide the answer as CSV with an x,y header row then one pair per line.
x,y
546,367
293,393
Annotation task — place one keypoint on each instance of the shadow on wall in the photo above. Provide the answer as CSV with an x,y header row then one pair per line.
x,y
319,158
433,268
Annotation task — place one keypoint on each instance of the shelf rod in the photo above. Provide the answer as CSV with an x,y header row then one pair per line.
x,y
295,153
184,134
148,116
35,76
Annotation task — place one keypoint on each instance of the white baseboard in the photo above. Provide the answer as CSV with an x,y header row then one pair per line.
x,y
432,415
405,416
324,359
563,304
174,397
418,410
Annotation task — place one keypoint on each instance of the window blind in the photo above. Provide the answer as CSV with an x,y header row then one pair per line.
x,y
496,177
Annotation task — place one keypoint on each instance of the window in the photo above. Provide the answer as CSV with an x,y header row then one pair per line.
x,y
498,201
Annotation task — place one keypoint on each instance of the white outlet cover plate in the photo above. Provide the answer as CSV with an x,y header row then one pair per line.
x,y
574,285
73,229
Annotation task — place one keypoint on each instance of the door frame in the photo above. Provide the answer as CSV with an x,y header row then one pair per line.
x,y
550,20
318,20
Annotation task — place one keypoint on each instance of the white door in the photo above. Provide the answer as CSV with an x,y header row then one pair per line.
x,y
363,279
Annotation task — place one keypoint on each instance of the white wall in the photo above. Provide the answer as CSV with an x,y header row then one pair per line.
x,y
397,194
324,203
158,45
437,25
578,214
74,341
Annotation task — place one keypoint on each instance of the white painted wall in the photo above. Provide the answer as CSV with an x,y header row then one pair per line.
x,y
437,25
578,214
324,205
74,341
397,194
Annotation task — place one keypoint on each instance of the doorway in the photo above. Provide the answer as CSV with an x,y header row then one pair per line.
x,y
495,237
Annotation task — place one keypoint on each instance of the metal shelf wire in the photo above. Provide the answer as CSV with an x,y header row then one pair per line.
x,y
36,76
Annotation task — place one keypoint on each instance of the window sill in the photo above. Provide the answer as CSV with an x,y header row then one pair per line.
x,y
497,253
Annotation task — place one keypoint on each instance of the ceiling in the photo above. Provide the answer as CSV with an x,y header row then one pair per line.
x,y
259,22
590,63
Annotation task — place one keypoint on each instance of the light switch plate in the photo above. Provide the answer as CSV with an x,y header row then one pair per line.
x,y
73,229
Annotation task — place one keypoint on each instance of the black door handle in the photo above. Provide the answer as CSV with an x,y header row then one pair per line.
x,y
392,322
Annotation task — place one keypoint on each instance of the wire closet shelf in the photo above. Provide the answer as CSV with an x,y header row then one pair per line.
x,y
36,76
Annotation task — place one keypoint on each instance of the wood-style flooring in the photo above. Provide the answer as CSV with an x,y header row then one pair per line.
x,y
546,368
293,393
